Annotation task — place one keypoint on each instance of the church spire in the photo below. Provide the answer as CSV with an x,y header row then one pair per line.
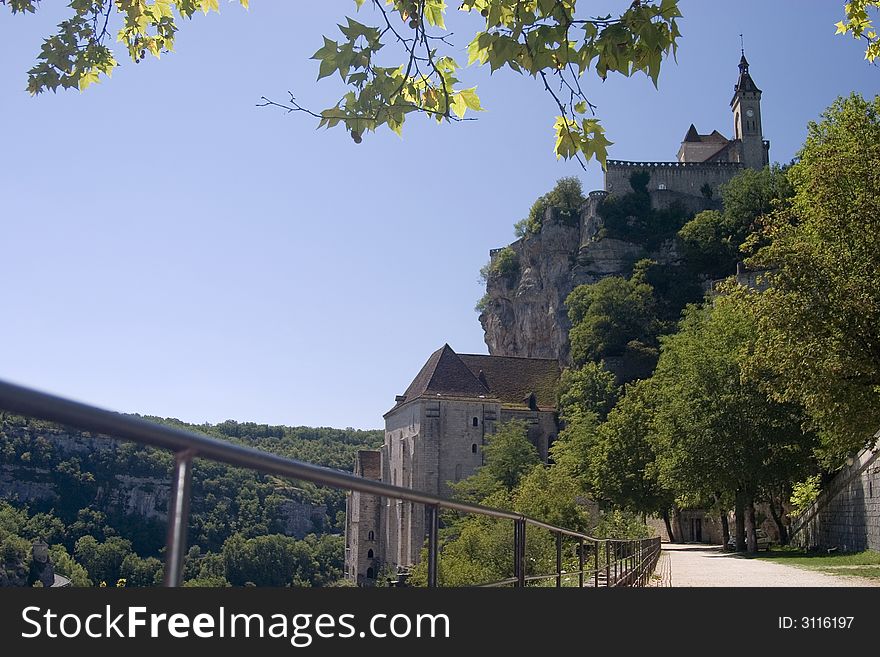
x,y
746,107
744,84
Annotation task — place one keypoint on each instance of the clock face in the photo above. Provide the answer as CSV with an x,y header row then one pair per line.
x,y
750,112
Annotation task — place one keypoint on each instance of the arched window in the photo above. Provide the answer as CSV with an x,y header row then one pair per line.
x,y
476,422
474,448
371,574
369,554
371,536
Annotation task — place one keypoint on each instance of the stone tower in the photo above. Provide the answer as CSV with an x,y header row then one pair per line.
x,y
746,106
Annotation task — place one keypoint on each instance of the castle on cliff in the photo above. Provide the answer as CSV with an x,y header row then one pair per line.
x,y
436,430
705,161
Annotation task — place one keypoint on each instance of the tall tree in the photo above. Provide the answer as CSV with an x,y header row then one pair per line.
x,y
818,322
718,433
624,468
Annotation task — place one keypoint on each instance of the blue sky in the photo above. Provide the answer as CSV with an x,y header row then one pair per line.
x,y
169,248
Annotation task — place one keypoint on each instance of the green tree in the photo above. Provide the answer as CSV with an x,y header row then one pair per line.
x,y
611,317
712,239
566,199
67,566
718,435
103,561
624,455
817,323
554,41
141,572
589,388
509,455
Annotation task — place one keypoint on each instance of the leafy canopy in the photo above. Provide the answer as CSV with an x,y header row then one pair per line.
x,y
610,316
712,239
566,198
817,324
78,53
858,23
554,41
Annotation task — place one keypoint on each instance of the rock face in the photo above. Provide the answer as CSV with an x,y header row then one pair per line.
x,y
524,314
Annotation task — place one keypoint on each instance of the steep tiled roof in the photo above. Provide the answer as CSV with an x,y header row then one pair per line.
x,y
745,81
692,134
713,137
506,379
444,374
512,380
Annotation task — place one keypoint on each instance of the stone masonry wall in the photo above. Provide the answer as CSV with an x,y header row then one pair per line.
x,y
684,177
847,514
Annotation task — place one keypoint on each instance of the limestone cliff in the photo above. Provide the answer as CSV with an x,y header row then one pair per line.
x,y
524,314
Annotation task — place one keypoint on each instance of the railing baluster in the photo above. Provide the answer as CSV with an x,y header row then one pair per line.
x,y
558,560
433,528
519,550
607,563
178,517
581,563
596,563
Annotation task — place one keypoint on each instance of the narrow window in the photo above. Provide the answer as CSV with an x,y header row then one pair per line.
x,y
369,554
476,422
474,448
371,536
458,472
370,573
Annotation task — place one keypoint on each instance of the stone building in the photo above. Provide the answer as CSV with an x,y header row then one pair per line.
x,y
434,435
525,315
705,161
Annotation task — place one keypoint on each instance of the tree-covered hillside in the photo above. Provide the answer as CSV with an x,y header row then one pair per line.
x,y
100,504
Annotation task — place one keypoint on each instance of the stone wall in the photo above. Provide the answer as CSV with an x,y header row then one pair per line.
x,y
684,177
847,514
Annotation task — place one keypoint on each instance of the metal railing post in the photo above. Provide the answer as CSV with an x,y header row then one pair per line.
x,y
178,518
616,562
433,529
596,563
558,560
581,563
519,551
607,563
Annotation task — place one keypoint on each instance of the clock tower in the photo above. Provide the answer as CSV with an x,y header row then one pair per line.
x,y
754,151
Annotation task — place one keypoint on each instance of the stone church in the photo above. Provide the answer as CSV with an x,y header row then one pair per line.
x,y
436,430
434,435
706,160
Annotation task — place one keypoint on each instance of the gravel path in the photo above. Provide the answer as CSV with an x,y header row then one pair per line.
x,y
703,565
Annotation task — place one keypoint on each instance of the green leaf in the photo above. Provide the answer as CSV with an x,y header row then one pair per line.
x,y
470,98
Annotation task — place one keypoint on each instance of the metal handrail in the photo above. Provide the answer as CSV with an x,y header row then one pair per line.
x,y
188,445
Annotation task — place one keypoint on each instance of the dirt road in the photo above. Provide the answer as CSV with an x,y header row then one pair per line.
x,y
704,565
